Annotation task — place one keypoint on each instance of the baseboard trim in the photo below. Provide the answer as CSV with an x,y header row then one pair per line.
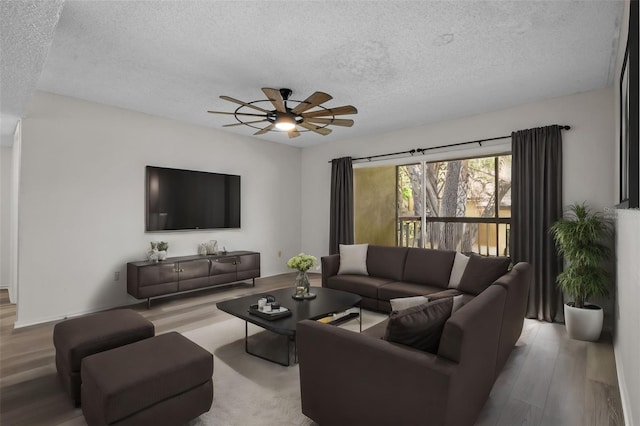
x,y
622,387
132,301
43,320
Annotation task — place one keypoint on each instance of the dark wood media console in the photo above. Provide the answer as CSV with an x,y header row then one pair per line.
x,y
176,274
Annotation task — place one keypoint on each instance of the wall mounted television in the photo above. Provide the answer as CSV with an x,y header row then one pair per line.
x,y
187,200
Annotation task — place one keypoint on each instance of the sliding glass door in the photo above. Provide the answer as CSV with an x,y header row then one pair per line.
x,y
462,204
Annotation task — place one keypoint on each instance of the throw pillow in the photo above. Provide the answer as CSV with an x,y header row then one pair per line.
x,y
420,326
459,265
481,272
353,259
407,302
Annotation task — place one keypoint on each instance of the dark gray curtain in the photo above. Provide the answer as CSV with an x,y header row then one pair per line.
x,y
341,220
536,203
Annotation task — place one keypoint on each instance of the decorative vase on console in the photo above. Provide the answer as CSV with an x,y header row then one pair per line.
x,y
302,262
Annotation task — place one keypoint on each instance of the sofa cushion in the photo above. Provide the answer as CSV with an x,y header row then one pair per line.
x,y
353,259
378,330
386,262
428,266
459,265
397,289
363,285
400,303
481,272
420,326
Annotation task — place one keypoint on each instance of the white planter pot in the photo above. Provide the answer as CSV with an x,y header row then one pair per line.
x,y
583,323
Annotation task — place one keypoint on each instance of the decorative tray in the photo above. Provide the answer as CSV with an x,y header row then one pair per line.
x,y
270,316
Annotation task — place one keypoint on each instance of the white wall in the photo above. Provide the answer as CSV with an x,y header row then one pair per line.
x,y
6,158
626,343
14,196
82,200
588,154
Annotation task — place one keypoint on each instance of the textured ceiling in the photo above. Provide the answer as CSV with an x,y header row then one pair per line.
x,y
26,31
401,63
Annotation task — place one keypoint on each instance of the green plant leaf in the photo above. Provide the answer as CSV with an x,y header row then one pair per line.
x,y
579,239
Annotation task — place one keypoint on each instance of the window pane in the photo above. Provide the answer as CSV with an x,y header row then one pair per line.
x,y
504,230
487,242
482,238
462,237
389,205
410,190
461,188
409,232
504,185
409,205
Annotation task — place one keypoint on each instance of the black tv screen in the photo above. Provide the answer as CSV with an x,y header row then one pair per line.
x,y
186,199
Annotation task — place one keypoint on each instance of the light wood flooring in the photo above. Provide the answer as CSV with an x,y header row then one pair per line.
x,y
549,379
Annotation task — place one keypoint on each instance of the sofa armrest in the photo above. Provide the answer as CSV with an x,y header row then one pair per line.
x,y
516,282
330,267
471,338
348,378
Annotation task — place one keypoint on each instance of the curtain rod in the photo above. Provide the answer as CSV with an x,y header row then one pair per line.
x,y
422,150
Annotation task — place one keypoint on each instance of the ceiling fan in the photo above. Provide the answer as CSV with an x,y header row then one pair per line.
x,y
308,114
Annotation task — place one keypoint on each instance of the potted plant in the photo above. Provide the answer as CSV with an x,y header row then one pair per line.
x,y
579,238
158,250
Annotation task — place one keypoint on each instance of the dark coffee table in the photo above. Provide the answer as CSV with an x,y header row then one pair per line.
x,y
328,301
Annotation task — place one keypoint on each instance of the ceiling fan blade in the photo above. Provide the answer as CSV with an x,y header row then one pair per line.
x,y
293,133
276,98
333,121
342,110
230,99
237,113
265,130
321,130
244,122
312,101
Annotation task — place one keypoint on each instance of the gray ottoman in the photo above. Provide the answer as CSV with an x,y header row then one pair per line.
x,y
79,337
164,380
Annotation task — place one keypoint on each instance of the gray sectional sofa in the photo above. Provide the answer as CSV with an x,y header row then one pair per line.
x,y
361,378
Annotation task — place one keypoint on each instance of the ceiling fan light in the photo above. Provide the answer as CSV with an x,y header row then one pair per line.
x,y
285,123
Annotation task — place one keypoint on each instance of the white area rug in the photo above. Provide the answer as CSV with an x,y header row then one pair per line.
x,y
248,390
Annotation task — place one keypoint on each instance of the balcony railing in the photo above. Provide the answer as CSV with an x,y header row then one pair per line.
x,y
410,231
477,235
